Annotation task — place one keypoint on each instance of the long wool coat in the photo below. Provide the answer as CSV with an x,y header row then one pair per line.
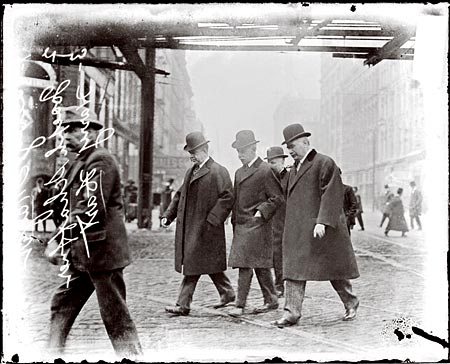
x,y
107,237
201,206
255,189
315,194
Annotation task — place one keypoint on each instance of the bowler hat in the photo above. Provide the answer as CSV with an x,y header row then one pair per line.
x,y
194,140
294,131
79,116
244,138
275,152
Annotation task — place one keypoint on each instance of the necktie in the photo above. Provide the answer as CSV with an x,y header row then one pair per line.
x,y
296,166
196,168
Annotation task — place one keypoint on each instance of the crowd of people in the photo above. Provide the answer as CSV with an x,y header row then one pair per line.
x,y
294,219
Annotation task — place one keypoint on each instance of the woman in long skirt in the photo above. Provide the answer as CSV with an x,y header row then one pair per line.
x,y
396,212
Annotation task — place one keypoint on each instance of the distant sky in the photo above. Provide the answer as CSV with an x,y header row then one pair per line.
x,y
241,90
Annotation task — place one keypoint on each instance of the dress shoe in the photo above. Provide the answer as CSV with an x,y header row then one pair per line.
x,y
225,301
283,322
236,311
350,313
177,310
265,308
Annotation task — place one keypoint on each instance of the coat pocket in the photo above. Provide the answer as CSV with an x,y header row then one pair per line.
x,y
84,253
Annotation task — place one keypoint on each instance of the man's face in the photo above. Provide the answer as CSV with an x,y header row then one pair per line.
x,y
246,154
277,164
198,156
75,138
298,148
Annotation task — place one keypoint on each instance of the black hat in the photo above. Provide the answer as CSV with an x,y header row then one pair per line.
x,y
294,131
244,138
275,152
79,116
194,140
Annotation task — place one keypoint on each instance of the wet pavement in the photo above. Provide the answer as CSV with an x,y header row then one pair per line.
x,y
392,286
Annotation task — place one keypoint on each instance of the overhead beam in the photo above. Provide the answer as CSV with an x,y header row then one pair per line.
x,y
91,62
407,57
309,32
391,48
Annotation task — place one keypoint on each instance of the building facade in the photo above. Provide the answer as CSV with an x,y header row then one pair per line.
x,y
115,97
375,123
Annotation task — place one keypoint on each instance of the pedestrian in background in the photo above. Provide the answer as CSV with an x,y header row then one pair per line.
x,y
39,195
388,196
316,244
359,208
99,254
130,198
276,157
258,195
350,206
415,206
396,213
201,206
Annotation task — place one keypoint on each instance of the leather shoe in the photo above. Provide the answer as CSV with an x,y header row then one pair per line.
x,y
283,322
225,301
266,308
236,311
350,313
177,310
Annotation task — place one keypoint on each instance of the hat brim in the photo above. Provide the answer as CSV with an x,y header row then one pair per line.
x,y
235,145
187,149
82,124
276,156
301,135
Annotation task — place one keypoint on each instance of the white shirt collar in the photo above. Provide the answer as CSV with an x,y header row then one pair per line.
x,y
203,163
303,159
252,161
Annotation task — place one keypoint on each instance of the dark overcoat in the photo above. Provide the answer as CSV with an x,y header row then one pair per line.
x,y
350,205
201,206
396,213
256,189
280,213
94,197
315,195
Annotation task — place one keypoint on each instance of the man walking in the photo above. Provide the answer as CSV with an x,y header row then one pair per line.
x,y
257,197
96,235
275,158
359,208
201,206
387,198
415,205
350,207
316,243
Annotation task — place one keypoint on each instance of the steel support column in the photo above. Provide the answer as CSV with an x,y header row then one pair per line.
x,y
145,199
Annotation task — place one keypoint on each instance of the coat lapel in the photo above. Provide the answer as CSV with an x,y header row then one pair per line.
x,y
202,171
244,174
307,163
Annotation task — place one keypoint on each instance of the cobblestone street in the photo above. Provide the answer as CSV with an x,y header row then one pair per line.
x,y
391,286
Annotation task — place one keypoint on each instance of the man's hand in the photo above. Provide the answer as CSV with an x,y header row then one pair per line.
x,y
164,222
319,231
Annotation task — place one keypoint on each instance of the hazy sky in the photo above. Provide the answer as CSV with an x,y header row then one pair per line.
x,y
241,90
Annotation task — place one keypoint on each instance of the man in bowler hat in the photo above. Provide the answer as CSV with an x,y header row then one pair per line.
x,y
258,195
316,243
95,233
201,206
276,157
